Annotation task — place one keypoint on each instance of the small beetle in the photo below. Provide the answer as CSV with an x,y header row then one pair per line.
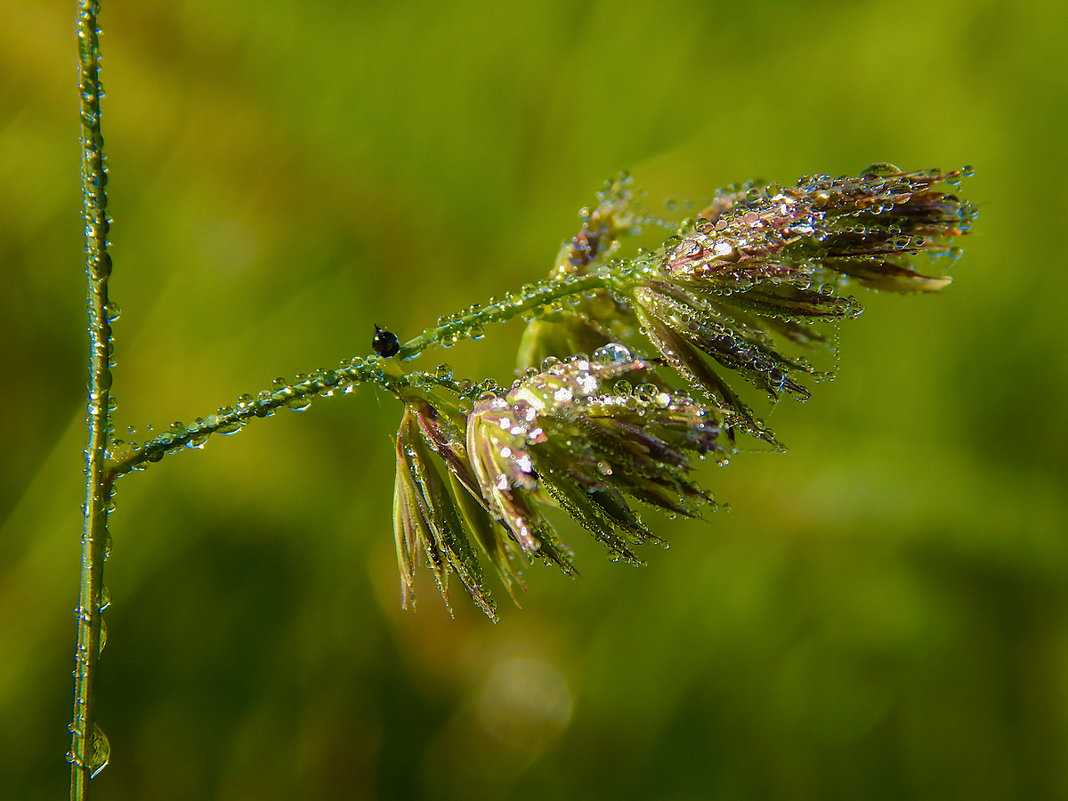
x,y
385,343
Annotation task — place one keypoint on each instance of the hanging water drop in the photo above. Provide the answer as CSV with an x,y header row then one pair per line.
x,y
197,442
299,403
97,752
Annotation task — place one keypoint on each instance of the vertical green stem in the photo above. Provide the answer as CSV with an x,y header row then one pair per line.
x,y
89,746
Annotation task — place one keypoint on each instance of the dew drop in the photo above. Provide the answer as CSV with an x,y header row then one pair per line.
x,y
119,450
112,312
646,392
197,442
443,372
98,751
613,352
299,403
881,168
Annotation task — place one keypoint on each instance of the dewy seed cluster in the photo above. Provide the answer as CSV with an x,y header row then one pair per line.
x,y
568,435
753,274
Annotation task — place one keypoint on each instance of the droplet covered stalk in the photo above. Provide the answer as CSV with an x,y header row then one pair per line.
x,y
89,751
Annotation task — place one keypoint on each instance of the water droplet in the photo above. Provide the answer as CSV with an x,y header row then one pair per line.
x,y
881,168
476,332
197,442
97,752
613,352
103,636
646,392
119,450
279,384
299,403
443,372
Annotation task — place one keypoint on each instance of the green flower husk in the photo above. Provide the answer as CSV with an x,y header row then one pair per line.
x,y
429,521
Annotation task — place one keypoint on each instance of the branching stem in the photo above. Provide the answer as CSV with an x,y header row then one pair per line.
x,y
539,296
372,370
88,752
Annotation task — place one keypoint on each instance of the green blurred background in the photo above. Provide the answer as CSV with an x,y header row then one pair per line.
x,y
882,615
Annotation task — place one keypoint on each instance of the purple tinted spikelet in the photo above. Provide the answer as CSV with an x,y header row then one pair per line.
x,y
428,521
763,265
564,437
866,227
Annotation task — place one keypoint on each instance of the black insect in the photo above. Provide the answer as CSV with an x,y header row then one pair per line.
x,y
385,343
